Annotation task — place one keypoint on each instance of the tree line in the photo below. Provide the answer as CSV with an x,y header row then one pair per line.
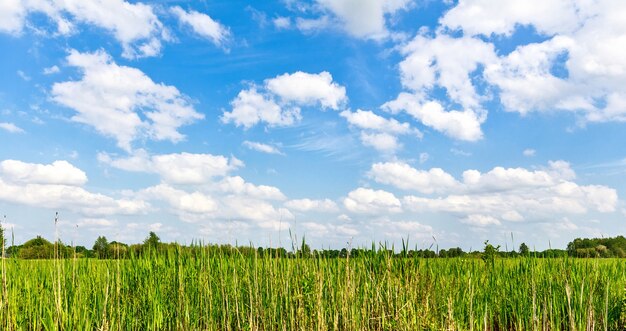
x,y
40,248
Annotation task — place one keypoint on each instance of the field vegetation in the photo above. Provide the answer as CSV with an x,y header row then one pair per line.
x,y
158,286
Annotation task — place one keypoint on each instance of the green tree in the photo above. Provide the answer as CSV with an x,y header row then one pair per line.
x,y
490,252
524,250
2,242
152,241
101,247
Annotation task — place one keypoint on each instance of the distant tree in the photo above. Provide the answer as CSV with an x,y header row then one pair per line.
x,y
2,241
524,250
152,240
344,253
490,252
117,250
101,247
37,248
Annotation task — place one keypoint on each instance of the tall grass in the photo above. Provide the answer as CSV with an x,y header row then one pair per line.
x,y
203,290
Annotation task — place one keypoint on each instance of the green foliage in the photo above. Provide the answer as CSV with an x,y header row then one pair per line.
x,y
152,241
524,250
210,287
490,252
101,247
598,247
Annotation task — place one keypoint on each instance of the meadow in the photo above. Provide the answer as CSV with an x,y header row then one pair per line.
x,y
202,290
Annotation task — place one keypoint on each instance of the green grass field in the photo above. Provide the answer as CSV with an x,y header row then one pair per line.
x,y
184,291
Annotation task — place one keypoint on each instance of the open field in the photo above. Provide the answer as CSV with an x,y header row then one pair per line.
x,y
182,291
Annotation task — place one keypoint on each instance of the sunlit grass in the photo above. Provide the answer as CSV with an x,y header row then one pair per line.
x,y
181,290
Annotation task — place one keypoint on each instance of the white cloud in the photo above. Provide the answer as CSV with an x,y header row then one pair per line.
x,y
424,157
308,89
383,142
279,101
461,125
57,185
178,168
251,107
12,13
308,25
364,18
515,194
403,229
134,25
377,131
203,25
96,223
59,172
306,205
501,17
368,201
10,127
403,176
182,202
321,230
585,42
480,220
446,62
237,185
122,102
263,148
282,22
51,70
368,120
198,206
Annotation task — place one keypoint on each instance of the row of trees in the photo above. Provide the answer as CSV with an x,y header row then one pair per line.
x,y
598,247
40,248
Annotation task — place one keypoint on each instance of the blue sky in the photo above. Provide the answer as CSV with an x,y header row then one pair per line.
x,y
345,121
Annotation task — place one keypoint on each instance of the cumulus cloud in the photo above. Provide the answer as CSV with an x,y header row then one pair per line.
x,y
365,19
326,230
369,201
278,102
480,220
382,142
176,168
305,205
508,194
246,205
448,63
237,185
122,102
402,229
377,131
403,176
202,24
59,172
585,41
368,120
496,17
134,25
308,89
461,125
251,107
58,185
